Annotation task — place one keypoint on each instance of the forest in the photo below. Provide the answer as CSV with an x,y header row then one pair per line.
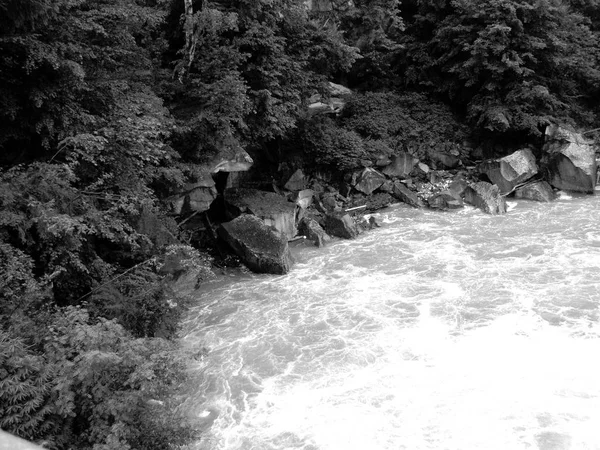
x,y
108,107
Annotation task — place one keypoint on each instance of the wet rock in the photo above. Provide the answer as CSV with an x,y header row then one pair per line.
x,y
445,200
570,160
540,191
341,225
262,248
296,182
273,209
404,194
368,180
400,166
313,231
486,197
379,201
511,170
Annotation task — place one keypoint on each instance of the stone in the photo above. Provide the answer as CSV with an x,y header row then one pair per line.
x,y
570,160
404,194
313,231
423,167
273,209
443,160
303,198
400,166
341,225
540,191
511,170
176,203
297,181
378,201
368,180
387,186
231,160
445,200
200,199
486,197
262,248
458,186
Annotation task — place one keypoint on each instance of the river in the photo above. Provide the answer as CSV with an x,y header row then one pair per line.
x,y
455,330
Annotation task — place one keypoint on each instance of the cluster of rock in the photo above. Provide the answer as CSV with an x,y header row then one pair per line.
x,y
260,224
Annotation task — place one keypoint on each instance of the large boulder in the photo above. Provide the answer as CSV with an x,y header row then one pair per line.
x,y
443,160
303,198
368,180
508,172
404,194
230,159
196,196
262,248
400,166
272,208
313,231
539,191
341,225
570,160
486,197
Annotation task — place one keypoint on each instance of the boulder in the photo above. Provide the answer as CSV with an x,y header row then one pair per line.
x,y
404,194
303,198
445,200
486,197
378,201
262,248
540,191
273,209
368,180
200,199
508,172
400,166
443,160
341,225
457,187
313,231
231,159
570,160
297,181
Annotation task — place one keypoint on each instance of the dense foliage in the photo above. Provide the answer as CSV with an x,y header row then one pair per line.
x,y
107,108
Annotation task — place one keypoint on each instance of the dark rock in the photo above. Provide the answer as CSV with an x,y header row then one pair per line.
x,y
511,170
313,231
457,187
387,186
445,200
400,166
486,197
341,225
443,160
368,180
296,182
404,194
379,201
273,209
200,199
540,191
570,160
262,248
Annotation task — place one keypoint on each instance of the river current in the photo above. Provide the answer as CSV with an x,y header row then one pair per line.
x,y
455,330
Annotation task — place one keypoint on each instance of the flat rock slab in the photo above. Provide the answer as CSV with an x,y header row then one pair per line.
x,y
261,247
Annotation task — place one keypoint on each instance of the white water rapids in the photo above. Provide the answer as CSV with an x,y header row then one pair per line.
x,y
454,330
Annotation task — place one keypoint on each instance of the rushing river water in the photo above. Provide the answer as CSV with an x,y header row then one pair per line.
x,y
454,330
